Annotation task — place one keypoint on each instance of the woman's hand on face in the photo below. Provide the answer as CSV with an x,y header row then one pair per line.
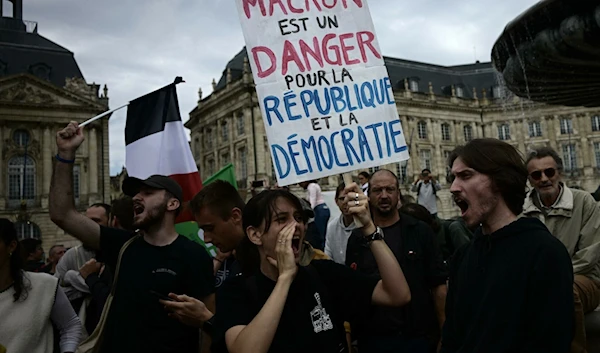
x,y
286,261
358,204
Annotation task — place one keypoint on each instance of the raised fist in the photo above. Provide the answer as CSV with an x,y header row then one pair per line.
x,y
69,139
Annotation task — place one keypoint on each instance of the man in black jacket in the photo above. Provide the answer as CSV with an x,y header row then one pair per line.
x,y
415,327
511,287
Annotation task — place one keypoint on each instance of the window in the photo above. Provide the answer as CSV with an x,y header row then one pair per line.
x,y
21,178
401,171
197,146
76,182
208,139
241,124
597,153
210,167
41,70
569,157
460,92
468,132
504,132
445,132
497,92
224,132
21,137
422,127
535,129
425,158
414,86
596,123
374,169
566,126
26,230
225,159
243,163
446,156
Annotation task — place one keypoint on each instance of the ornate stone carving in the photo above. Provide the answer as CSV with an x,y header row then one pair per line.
x,y
9,146
78,86
22,93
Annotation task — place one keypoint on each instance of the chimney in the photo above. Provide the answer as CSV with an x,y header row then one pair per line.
x,y
17,9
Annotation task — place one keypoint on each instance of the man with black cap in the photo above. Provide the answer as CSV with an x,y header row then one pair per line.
x,y
155,262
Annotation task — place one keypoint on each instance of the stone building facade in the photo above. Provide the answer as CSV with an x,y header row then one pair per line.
x,y
439,107
41,90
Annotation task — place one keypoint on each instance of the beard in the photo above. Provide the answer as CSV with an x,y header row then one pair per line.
x,y
153,217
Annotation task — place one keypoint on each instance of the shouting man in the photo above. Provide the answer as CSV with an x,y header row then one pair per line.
x,y
510,289
156,261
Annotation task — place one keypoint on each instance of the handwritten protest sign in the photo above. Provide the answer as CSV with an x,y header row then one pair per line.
x,y
324,92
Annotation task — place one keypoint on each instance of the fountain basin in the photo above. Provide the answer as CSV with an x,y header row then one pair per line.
x,y
551,53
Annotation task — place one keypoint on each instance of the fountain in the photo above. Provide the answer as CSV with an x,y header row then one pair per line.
x,y
551,53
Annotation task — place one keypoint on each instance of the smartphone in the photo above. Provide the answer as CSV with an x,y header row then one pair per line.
x,y
161,296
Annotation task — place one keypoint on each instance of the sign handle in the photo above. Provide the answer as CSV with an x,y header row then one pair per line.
x,y
348,180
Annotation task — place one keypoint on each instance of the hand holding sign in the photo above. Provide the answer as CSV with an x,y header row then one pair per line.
x,y
358,205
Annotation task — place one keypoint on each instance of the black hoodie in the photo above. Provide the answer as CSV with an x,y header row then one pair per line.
x,y
510,291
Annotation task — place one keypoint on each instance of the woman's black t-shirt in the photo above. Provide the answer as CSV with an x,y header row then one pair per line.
x,y
319,301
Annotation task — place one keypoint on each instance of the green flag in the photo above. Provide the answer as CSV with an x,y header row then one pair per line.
x,y
190,229
227,173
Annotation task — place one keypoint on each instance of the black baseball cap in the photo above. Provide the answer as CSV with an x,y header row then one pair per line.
x,y
132,186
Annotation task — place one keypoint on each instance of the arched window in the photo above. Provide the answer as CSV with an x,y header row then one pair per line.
x,y
21,178
21,137
26,230
41,70
468,132
422,127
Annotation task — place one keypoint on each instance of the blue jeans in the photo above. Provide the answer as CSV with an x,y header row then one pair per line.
x,y
322,215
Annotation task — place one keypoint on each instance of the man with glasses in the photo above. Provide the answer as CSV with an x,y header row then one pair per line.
x,y
572,216
416,326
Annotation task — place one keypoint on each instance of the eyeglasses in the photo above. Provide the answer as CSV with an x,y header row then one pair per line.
x,y
537,175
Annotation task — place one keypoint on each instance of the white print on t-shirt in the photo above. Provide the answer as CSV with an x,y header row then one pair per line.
x,y
320,318
165,270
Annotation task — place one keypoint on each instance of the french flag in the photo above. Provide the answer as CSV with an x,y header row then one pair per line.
x,y
156,143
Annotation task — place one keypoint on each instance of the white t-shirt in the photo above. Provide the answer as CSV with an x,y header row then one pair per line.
x,y
315,197
427,198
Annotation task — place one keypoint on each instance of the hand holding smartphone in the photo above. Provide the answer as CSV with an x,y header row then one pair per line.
x,y
161,296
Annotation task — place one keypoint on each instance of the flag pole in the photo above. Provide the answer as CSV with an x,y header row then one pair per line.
x,y
102,115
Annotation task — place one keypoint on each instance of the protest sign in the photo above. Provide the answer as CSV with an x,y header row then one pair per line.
x,y
324,92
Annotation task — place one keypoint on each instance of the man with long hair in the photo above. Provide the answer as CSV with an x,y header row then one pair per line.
x,y
510,289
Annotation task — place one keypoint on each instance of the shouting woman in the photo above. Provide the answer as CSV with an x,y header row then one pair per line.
x,y
279,306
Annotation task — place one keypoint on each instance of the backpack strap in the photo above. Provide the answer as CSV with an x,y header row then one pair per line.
x,y
93,343
121,252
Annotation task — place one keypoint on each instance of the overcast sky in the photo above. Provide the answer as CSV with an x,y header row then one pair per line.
x,y
137,46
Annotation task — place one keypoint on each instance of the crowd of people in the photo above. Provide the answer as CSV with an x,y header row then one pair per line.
x,y
516,272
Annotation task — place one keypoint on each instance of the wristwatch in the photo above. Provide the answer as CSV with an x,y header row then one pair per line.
x,y
378,235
